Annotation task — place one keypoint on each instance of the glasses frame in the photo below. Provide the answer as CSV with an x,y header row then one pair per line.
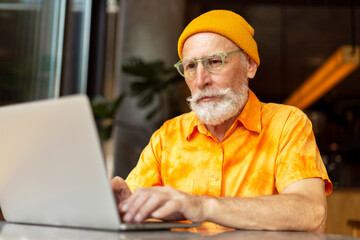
x,y
222,55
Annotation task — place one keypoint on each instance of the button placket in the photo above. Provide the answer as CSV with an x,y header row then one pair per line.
x,y
217,174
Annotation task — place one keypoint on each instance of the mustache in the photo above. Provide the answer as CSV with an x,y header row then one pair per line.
x,y
203,93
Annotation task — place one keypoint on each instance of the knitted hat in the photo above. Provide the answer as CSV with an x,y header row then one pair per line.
x,y
227,24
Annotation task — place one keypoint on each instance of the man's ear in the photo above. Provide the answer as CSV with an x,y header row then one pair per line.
x,y
251,68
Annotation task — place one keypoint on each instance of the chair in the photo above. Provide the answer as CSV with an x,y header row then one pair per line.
x,y
355,225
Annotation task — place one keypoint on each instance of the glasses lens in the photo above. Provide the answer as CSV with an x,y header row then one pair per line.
x,y
187,68
214,62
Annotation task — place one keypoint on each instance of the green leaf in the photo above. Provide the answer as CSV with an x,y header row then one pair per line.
x,y
153,79
137,88
105,133
100,107
152,113
145,100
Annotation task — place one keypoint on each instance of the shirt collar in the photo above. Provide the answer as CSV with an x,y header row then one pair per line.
x,y
193,126
250,117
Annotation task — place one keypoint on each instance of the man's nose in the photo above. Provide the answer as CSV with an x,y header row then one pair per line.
x,y
202,77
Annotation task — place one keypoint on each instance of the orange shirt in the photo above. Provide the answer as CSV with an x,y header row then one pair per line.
x,y
266,149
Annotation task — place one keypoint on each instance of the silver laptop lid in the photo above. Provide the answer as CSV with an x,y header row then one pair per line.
x,y
51,166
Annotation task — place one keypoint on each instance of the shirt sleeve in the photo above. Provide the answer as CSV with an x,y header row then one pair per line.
x,y
298,156
147,171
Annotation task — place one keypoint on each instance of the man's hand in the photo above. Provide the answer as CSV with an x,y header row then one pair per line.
x,y
120,189
301,206
163,203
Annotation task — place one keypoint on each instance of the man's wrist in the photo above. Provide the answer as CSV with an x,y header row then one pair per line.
x,y
209,208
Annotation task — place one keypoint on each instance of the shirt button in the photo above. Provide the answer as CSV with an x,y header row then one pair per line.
x,y
216,178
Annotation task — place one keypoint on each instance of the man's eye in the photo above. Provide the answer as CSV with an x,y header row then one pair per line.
x,y
214,62
189,66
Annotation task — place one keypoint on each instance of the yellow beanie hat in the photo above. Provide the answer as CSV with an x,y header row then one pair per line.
x,y
226,23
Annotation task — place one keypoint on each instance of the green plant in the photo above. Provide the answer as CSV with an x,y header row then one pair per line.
x,y
104,113
153,80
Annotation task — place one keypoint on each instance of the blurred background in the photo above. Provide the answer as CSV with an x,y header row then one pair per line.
x,y
121,54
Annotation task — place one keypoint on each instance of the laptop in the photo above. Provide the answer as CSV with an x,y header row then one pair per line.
x,y
52,169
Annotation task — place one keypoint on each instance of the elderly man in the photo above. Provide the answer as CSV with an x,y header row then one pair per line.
x,y
233,160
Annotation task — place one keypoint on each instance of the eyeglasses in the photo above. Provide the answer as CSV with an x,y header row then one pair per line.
x,y
212,63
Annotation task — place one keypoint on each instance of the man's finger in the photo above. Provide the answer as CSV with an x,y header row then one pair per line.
x,y
167,209
120,189
133,204
152,204
117,183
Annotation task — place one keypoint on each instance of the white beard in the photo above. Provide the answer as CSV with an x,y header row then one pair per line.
x,y
228,103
